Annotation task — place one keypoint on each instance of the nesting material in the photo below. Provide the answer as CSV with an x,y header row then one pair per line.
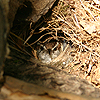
x,y
75,25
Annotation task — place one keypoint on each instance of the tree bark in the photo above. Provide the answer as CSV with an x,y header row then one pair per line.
x,y
4,27
30,10
14,88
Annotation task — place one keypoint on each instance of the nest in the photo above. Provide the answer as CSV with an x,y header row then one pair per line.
x,y
75,23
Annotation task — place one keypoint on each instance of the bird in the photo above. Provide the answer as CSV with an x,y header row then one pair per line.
x,y
50,50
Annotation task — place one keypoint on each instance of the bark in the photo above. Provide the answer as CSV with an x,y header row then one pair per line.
x,y
28,9
4,27
14,88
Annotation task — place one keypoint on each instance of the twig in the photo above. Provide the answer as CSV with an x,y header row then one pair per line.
x,y
40,38
21,40
76,22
